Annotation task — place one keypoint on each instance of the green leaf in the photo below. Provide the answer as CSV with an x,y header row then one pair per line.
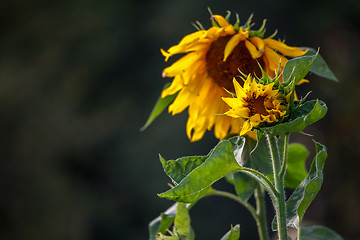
x,y
197,183
182,219
162,222
178,169
318,233
260,157
304,194
159,107
244,185
319,66
233,234
296,69
295,168
306,114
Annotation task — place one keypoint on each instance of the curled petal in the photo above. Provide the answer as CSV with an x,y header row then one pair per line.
x,y
232,43
255,53
283,48
220,20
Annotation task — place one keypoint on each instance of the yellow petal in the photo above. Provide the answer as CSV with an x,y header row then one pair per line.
x,y
222,125
175,86
302,81
232,102
244,32
242,112
247,83
195,132
220,20
183,64
182,101
232,43
231,113
283,48
268,90
253,87
255,120
246,128
255,53
274,59
239,91
258,43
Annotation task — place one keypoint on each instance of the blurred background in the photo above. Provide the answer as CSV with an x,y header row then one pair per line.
x,y
79,78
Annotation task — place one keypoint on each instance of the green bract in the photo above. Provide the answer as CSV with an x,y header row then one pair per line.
x,y
233,234
301,117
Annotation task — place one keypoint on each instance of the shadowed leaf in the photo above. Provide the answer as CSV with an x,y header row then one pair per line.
x,y
318,233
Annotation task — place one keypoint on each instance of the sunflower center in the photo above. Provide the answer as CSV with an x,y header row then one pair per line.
x,y
257,105
239,59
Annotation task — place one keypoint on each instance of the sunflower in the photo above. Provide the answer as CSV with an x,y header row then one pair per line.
x,y
213,58
256,103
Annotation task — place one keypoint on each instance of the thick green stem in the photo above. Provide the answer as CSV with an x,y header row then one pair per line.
x,y
261,212
279,185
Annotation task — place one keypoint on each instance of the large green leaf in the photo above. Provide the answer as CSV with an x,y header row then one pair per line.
x,y
197,183
296,69
318,233
181,167
319,66
304,194
233,234
295,168
159,107
306,114
162,222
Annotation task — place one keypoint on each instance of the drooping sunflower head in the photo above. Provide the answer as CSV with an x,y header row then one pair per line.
x,y
214,57
256,103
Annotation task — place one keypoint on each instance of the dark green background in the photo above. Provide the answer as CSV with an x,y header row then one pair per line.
x,y
79,78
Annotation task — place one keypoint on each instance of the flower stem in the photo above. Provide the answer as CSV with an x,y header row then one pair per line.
x,y
279,185
237,199
261,213
284,161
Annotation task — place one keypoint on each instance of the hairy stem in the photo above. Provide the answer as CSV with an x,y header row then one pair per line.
x,y
261,213
284,161
279,186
